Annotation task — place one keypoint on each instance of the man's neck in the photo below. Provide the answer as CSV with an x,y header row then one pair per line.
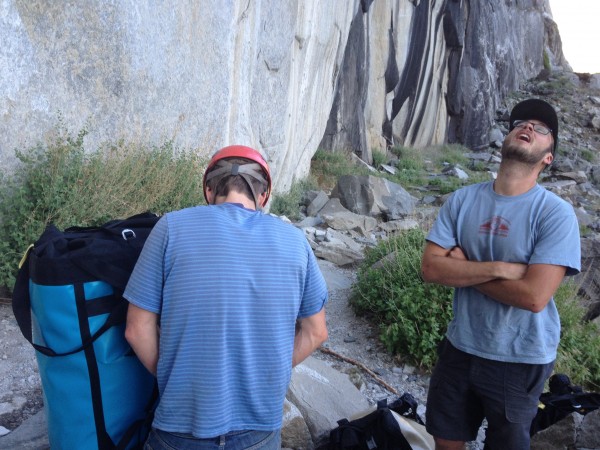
x,y
236,197
515,178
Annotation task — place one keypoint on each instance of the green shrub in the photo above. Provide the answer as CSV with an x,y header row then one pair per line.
x,y
588,155
448,153
546,59
579,348
58,182
411,170
379,158
327,167
409,159
288,204
413,315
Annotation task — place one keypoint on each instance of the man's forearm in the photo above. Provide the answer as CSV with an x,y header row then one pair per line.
x,y
142,334
533,292
311,332
146,349
455,272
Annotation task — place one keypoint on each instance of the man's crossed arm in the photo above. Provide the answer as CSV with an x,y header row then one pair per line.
x,y
524,286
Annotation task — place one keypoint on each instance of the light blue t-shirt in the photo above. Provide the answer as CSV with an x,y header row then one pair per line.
x,y
537,227
229,284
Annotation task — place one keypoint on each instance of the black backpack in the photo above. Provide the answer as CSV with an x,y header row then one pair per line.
x,y
380,429
562,399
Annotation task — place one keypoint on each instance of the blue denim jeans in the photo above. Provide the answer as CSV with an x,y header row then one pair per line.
x,y
235,440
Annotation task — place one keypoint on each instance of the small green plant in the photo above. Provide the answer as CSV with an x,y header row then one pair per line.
x,y
579,348
410,167
557,85
478,166
288,204
58,182
409,158
327,167
446,185
584,230
449,153
546,61
588,155
413,315
379,158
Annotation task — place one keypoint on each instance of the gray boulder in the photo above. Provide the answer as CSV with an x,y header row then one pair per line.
x,y
294,431
334,246
589,434
323,395
317,203
562,435
372,196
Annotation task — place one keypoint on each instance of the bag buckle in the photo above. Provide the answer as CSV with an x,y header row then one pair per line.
x,y
128,234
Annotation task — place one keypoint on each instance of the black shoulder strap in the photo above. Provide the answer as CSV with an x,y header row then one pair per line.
x,y
139,429
21,303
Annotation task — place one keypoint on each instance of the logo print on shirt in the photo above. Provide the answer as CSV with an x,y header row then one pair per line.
x,y
497,226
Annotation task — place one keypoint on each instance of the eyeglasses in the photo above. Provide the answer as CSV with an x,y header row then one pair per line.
x,y
537,127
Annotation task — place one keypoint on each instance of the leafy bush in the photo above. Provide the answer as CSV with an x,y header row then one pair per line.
x,y
379,158
327,167
288,204
588,155
413,315
579,348
546,59
446,185
58,182
448,153
410,167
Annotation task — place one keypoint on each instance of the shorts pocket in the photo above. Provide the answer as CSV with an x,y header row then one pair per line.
x,y
523,385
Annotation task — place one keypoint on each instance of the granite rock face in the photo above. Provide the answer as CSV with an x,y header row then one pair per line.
x,y
285,76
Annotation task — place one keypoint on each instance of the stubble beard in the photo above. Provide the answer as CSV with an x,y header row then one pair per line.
x,y
515,152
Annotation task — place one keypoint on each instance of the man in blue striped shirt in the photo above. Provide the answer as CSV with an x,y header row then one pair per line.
x,y
224,301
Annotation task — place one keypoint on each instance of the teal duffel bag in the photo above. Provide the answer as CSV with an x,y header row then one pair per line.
x,y
68,303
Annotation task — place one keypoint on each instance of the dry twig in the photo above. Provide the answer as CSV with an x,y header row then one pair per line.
x,y
361,365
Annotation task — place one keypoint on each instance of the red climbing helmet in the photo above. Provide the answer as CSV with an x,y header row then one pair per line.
x,y
239,151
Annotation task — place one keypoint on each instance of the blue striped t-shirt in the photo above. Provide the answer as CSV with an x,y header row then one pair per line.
x,y
229,284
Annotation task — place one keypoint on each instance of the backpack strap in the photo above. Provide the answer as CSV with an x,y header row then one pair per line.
x,y
140,428
21,302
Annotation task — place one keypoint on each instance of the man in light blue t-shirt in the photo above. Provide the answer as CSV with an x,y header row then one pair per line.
x,y
505,247
224,301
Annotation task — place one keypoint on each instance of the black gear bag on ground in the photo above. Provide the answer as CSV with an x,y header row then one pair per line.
x,y
383,429
68,303
562,400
